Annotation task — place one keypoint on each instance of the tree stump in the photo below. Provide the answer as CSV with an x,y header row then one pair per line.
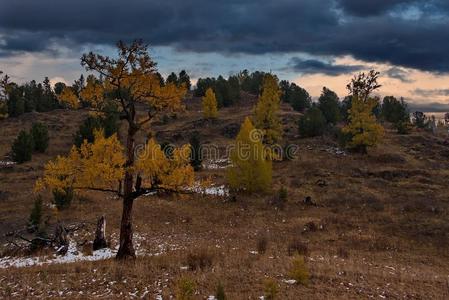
x,y
61,240
100,234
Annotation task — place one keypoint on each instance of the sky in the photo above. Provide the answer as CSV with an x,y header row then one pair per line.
x,y
314,43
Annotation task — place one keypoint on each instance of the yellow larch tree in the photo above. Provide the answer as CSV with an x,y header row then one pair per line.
x,y
107,165
251,169
266,116
363,129
209,105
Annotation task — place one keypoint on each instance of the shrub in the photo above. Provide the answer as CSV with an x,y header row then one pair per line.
x,y
403,127
271,289
312,123
297,247
39,132
299,271
22,148
196,155
185,289
200,259
262,243
420,120
36,214
62,198
220,293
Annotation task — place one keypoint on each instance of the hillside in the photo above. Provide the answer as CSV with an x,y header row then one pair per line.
x,y
378,228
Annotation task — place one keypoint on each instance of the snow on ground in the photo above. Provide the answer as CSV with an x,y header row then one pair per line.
x,y
215,164
220,190
6,164
72,255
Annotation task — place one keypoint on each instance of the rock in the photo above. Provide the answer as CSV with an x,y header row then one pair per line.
x,y
321,183
308,201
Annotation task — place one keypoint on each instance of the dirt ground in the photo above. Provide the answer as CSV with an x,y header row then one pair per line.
x,y
379,229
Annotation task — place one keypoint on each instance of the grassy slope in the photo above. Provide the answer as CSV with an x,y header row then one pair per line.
x,y
388,211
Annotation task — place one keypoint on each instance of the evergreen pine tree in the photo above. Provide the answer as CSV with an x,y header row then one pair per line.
x,y
22,148
39,132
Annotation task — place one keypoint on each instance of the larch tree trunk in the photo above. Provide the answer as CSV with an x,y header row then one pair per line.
x,y
126,249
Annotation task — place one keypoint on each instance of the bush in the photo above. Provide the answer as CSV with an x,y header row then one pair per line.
x,y
297,247
22,148
220,293
36,214
299,271
262,243
271,289
196,155
312,123
200,259
39,132
403,127
420,120
185,289
62,198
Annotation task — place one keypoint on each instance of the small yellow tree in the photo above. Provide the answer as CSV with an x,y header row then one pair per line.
x,y
267,108
129,80
251,169
209,105
363,129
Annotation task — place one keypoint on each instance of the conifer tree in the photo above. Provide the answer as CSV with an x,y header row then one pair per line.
x,y
251,170
266,112
210,105
363,128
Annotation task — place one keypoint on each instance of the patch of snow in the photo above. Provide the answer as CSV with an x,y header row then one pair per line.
x,y
216,164
72,255
220,190
6,164
289,281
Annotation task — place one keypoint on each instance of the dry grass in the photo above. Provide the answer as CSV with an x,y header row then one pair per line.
x,y
380,227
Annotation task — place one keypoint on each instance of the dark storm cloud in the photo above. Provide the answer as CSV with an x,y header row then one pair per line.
x,y
312,66
370,8
398,73
385,33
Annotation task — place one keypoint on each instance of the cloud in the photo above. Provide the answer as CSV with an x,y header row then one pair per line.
x,y
429,107
317,27
431,92
313,66
399,74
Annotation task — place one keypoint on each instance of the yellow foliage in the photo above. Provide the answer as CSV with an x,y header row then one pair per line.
x,y
299,271
169,173
251,169
101,165
209,105
98,165
93,93
266,112
69,97
363,127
